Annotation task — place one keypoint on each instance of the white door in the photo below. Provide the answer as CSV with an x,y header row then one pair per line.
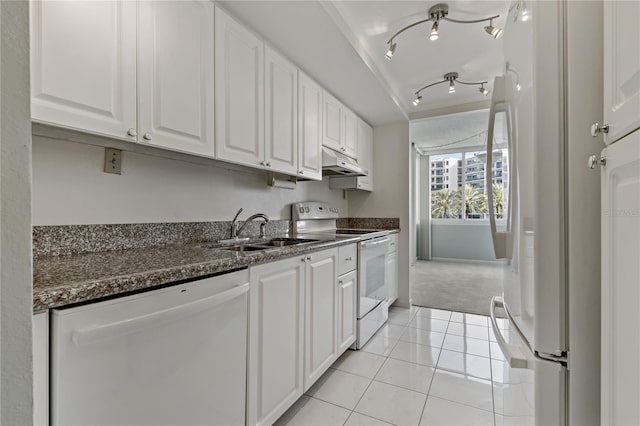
x,y
347,287
281,113
239,92
83,66
350,138
621,68
321,314
620,382
276,339
332,122
309,128
175,75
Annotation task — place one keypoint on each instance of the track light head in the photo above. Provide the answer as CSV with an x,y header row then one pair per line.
x,y
495,32
483,90
524,14
452,87
417,100
434,31
518,87
391,51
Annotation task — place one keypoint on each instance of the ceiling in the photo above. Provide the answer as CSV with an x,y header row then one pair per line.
x,y
341,44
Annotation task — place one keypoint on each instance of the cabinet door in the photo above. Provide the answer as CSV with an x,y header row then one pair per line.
x,y
83,66
621,68
321,315
175,75
392,277
347,290
365,155
276,338
332,118
350,139
281,109
620,276
309,128
239,92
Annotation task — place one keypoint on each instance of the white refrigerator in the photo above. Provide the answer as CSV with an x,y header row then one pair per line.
x,y
545,101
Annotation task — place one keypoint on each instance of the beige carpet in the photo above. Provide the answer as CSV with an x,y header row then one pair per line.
x,y
456,286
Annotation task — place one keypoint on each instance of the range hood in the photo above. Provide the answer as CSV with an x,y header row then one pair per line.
x,y
336,164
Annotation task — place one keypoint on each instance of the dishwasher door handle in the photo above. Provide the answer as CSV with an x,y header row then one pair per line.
x,y
132,325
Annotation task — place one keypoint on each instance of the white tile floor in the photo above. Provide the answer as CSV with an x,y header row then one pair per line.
x,y
424,367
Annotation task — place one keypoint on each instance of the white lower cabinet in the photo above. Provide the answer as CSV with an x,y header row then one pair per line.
x,y
347,293
321,314
276,338
392,269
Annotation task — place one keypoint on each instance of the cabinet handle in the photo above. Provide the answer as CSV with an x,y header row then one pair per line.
x,y
303,259
348,259
308,257
268,164
301,172
340,282
597,128
147,136
132,132
262,163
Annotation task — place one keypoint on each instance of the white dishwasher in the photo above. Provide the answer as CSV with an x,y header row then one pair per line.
x,y
171,356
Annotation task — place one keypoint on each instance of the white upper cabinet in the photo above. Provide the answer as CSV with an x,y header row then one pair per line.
x,y
621,68
309,128
332,133
350,140
365,155
83,66
281,109
239,93
175,75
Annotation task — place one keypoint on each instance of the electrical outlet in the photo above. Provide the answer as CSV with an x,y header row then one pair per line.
x,y
113,161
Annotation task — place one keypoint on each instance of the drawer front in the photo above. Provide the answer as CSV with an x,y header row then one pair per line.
x,y
393,243
347,258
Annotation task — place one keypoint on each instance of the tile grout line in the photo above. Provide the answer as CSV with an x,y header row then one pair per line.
x,y
433,376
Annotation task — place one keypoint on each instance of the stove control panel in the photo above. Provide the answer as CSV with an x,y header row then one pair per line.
x,y
310,210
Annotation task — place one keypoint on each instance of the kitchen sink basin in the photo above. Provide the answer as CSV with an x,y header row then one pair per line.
x,y
243,248
281,242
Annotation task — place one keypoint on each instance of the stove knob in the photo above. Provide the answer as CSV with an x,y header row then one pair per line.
x,y
301,209
306,210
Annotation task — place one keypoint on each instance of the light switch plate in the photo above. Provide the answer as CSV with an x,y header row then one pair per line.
x,y
113,161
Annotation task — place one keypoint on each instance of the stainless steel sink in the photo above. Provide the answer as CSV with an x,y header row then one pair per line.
x,y
281,242
243,248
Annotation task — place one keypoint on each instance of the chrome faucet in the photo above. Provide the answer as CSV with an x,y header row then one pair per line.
x,y
235,231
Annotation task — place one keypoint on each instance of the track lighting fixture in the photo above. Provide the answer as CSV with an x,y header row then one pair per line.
x,y
438,13
452,78
434,31
493,31
391,51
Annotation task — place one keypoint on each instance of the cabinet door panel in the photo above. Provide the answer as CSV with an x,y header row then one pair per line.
x,y
347,288
392,278
332,122
309,128
83,65
281,136
239,93
350,139
176,97
365,155
321,315
621,68
275,339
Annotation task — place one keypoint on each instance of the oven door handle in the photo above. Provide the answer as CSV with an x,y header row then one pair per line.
x,y
367,244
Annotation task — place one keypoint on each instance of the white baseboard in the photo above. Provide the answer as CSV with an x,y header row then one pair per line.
x,y
446,259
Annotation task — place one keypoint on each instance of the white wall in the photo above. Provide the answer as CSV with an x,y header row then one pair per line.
x,y
390,196
70,187
16,401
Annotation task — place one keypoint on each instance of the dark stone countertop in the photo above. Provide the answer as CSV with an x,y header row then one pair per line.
x,y
65,280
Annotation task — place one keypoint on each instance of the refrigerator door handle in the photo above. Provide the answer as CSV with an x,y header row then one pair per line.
x,y
514,354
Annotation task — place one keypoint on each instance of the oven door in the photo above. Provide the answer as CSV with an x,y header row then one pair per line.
x,y
372,271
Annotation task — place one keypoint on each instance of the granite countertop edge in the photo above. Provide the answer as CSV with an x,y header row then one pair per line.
x,y
49,294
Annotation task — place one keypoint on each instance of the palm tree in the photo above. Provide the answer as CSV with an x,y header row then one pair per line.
x,y
498,199
475,202
445,204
